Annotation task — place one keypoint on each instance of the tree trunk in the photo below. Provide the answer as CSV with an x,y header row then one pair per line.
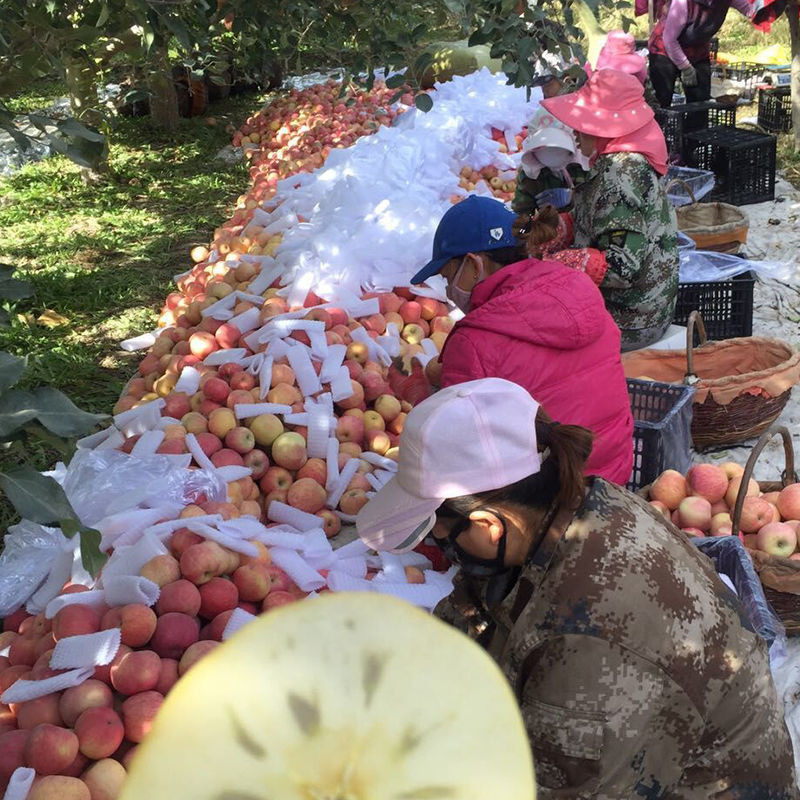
x,y
80,79
163,100
793,10
81,83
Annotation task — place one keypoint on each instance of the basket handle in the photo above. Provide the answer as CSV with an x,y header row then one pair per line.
x,y
787,476
694,319
685,185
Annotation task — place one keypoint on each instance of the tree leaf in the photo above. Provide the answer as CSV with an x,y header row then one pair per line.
x,y
16,410
72,127
60,415
69,527
11,369
91,556
395,81
15,289
103,17
423,102
35,496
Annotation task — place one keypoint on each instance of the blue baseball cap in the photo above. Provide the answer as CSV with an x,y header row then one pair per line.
x,y
471,226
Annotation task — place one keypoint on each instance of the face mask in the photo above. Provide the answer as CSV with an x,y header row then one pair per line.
x,y
473,565
458,296
554,158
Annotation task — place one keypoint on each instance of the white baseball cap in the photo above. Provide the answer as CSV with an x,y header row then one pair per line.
x,y
465,439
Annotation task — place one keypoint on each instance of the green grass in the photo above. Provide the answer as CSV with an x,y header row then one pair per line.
x,y
103,256
36,96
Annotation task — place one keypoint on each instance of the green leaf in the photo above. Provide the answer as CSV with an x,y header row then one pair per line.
x,y
178,28
91,556
35,496
71,127
395,81
16,410
15,289
69,527
105,12
60,415
423,102
11,369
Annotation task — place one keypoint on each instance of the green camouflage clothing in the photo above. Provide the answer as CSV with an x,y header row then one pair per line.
x,y
636,671
524,201
623,211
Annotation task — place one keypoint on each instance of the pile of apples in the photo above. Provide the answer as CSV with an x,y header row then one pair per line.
x,y
80,741
501,183
276,452
702,503
297,131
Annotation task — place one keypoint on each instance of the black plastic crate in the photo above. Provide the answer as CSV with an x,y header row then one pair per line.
x,y
746,74
680,120
742,161
775,109
726,306
662,421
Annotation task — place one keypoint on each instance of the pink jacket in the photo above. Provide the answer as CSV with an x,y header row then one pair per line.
x,y
545,327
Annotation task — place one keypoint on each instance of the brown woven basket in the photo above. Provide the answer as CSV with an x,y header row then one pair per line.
x,y
713,226
744,385
780,577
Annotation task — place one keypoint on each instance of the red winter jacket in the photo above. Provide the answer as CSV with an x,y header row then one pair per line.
x,y
545,327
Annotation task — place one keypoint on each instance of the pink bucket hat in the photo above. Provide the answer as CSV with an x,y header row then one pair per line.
x,y
619,52
467,438
609,105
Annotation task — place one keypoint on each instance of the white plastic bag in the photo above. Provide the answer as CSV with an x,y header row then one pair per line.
x,y
29,553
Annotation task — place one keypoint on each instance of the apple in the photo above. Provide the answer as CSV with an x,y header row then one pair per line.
x,y
266,428
756,513
137,671
314,468
350,429
289,450
657,505
138,713
388,407
216,389
161,570
708,481
669,488
58,787
331,523
355,399
50,749
74,620
100,731
138,622
352,501
77,699
732,469
733,490
105,779
789,502
284,394
695,512
721,524
307,495
174,633
777,538
221,421
240,439
194,653
216,596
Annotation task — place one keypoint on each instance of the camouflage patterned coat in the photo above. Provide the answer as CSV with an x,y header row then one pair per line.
x,y
623,211
636,671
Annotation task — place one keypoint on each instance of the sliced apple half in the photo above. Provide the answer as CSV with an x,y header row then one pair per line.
x,y
344,697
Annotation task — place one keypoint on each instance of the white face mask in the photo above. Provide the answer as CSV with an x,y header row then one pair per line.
x,y
555,158
458,296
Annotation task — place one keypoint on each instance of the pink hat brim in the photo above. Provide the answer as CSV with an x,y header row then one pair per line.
x,y
574,111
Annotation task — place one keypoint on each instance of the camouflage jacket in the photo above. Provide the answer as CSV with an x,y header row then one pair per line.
x,y
622,210
637,673
526,189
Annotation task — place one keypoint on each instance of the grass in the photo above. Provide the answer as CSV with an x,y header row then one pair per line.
x,y
102,257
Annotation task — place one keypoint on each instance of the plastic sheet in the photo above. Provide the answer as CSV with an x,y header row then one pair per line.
x,y
730,558
698,266
29,553
101,483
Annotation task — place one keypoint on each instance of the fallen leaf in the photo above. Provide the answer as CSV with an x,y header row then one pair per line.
x,y
51,319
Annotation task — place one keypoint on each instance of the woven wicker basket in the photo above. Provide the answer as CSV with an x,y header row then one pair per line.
x,y
713,226
744,385
780,577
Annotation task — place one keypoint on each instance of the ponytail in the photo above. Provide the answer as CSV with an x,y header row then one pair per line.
x,y
536,230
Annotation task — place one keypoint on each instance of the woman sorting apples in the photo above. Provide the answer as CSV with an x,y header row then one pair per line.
x,y
538,323
635,668
625,227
